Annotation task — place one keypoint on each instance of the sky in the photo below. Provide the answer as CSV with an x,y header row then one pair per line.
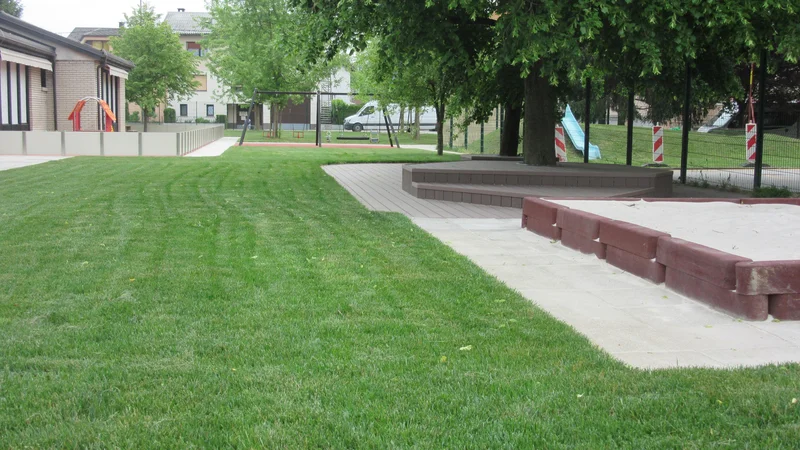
x,y
61,16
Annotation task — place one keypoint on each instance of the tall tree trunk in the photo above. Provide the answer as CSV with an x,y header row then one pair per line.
x,y
144,119
439,127
509,140
622,109
539,120
417,113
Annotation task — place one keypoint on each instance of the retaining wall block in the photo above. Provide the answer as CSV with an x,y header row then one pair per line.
x,y
706,263
751,307
646,268
768,277
636,239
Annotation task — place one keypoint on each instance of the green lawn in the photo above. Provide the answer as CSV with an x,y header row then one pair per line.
x,y
310,137
249,301
706,150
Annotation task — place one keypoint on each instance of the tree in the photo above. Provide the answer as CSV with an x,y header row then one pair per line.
x,y
259,44
13,7
164,70
415,35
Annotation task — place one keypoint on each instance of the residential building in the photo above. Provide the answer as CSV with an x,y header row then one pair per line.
x,y
43,76
207,102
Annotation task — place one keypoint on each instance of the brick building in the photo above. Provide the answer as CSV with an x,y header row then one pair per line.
x,y
43,75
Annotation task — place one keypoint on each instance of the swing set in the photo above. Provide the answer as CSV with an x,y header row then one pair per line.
x,y
373,136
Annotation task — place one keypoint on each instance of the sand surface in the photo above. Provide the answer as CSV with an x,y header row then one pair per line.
x,y
758,232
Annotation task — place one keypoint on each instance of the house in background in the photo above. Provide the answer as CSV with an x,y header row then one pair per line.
x,y
43,75
204,103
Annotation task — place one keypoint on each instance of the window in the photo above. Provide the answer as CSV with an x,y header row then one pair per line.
x,y
184,110
194,48
100,45
43,74
202,82
368,111
209,110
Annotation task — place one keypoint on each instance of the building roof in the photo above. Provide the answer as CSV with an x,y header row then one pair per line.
x,y
43,37
183,22
81,32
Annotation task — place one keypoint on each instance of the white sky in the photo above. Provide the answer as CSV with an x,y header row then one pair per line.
x,y
61,16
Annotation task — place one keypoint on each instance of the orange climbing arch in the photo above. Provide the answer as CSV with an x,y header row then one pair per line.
x,y
75,115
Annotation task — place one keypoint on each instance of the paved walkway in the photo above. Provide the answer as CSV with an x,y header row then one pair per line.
x,y
14,161
215,148
641,324
379,188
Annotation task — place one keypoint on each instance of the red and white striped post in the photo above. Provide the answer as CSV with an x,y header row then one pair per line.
x,y
658,145
750,129
561,149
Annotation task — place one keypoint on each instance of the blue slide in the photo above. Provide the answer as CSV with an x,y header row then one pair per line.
x,y
576,134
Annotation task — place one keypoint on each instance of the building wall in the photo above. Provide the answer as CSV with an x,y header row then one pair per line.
x,y
42,103
196,104
74,81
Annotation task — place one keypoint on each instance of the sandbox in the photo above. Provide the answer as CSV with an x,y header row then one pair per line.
x,y
738,255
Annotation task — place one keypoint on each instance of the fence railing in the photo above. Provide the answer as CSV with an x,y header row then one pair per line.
x,y
716,158
68,143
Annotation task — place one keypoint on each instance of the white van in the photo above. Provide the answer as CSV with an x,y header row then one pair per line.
x,y
371,117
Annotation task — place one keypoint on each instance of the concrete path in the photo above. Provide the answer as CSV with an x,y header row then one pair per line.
x,y
379,188
14,161
215,148
641,324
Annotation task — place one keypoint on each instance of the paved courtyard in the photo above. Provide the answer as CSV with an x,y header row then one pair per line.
x,y
641,324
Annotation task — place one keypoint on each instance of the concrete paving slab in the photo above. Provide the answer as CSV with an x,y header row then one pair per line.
x,y
215,148
8,162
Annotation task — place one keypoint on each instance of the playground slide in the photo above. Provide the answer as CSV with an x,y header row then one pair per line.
x,y
721,121
576,134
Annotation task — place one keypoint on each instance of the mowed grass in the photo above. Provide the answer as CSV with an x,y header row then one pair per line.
x,y
249,301
309,137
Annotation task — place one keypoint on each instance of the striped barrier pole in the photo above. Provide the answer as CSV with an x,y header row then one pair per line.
x,y
561,149
750,129
658,145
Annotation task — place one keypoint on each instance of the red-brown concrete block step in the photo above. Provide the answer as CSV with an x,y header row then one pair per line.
x,y
785,306
580,222
703,262
543,228
768,277
539,209
583,244
751,307
646,268
771,201
640,241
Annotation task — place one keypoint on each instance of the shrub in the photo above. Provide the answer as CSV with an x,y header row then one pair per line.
x,y
201,120
169,115
772,192
133,117
340,110
221,118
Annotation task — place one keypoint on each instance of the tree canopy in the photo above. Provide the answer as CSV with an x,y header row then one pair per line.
x,y
164,69
13,7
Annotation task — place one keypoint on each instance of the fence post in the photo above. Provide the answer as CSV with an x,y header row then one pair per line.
x,y
629,148
451,132
102,143
24,142
481,137
140,142
762,82
177,144
63,144
587,119
687,122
